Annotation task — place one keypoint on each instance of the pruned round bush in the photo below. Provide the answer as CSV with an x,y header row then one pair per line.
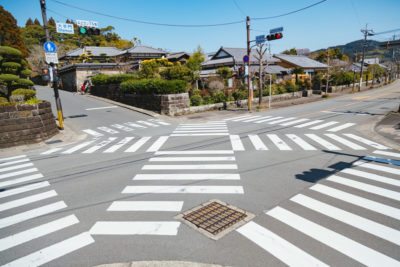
x,y
33,100
8,77
240,95
3,100
24,83
26,72
11,65
195,100
27,93
99,79
219,97
119,78
153,86
8,104
9,52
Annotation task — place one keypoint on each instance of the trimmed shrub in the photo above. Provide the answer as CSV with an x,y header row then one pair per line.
x,y
99,79
27,93
26,73
24,83
11,65
33,100
195,100
9,52
3,100
119,78
8,77
291,87
8,104
153,86
219,97
207,99
240,95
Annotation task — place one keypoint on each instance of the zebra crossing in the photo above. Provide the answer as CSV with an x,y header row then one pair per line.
x,y
307,142
212,128
22,185
357,198
330,126
163,169
124,127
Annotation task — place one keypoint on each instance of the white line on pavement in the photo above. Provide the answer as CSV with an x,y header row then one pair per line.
x,y
23,189
11,174
158,144
12,158
13,162
257,143
324,125
76,148
187,176
377,167
191,167
299,141
118,145
345,142
366,141
21,180
308,123
293,122
372,176
386,153
341,127
194,152
193,159
237,144
27,200
16,167
146,206
278,142
138,144
99,145
135,228
172,189
322,142
101,108
93,133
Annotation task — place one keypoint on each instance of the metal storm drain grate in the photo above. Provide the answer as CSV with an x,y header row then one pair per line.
x,y
215,218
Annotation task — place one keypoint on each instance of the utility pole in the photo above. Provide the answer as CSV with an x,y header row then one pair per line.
x,y
366,33
327,76
44,16
261,53
250,99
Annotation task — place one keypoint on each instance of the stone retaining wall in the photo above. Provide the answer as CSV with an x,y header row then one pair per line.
x,y
26,124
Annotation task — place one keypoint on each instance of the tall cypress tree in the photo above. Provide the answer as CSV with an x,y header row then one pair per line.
x,y
29,22
10,32
36,22
52,22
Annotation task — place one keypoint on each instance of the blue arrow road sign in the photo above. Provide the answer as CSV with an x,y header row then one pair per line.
x,y
260,39
49,47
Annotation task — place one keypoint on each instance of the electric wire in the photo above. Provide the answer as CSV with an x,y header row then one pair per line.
x,y
238,7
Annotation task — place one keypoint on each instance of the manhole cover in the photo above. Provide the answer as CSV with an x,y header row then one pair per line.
x,y
215,218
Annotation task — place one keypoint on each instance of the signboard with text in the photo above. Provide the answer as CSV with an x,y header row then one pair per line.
x,y
260,39
276,30
87,23
65,28
51,58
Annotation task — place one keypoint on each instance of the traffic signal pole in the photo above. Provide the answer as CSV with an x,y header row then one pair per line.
x,y
250,99
54,81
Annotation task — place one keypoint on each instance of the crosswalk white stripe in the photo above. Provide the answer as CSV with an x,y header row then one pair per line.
x,y
255,118
16,167
222,127
308,123
12,158
372,176
30,214
175,189
118,145
377,167
138,144
148,123
187,176
209,124
332,239
21,180
345,142
366,141
93,133
191,167
157,144
135,228
146,206
237,144
251,117
160,122
322,142
122,127
365,187
228,119
200,134
101,108
270,119
195,152
27,200
36,232
12,174
382,160
51,151
257,143
299,141
279,143
324,125
13,162
341,127
158,159
293,122
108,130
201,131
99,145
387,153
354,220
76,148
54,251
277,246
23,189
358,201
135,125
281,120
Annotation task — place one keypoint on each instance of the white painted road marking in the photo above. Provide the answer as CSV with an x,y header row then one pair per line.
x,y
101,108
146,206
135,228
194,152
51,151
135,125
308,123
76,148
270,119
93,133
382,160
200,134
278,142
322,142
122,127
277,246
54,251
158,144
237,144
366,141
12,158
191,167
299,141
138,144
108,130
21,180
257,143
99,145
281,120
377,167
372,176
118,145
188,176
172,189
293,122
341,127
345,142
16,167
179,159
386,153
13,162
27,200
324,125
23,189
11,174
332,239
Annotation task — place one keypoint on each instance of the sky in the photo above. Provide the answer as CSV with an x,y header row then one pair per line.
x,y
333,22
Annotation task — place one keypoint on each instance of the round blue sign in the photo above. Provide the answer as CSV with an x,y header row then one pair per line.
x,y
49,47
246,58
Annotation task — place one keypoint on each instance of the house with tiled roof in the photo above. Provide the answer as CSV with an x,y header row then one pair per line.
x,y
101,54
180,57
143,52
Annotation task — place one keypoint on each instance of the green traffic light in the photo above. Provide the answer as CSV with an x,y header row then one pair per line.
x,y
82,30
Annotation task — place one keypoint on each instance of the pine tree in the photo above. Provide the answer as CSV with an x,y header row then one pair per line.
x,y
51,22
10,32
36,22
29,22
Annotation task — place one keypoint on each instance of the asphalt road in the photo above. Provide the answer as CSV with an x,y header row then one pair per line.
x,y
324,188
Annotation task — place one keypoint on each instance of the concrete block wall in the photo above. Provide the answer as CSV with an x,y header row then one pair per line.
x,y
26,124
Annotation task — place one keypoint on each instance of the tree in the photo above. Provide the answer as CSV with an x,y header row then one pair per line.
x,y
194,63
177,72
29,22
292,51
10,32
36,22
297,71
51,22
225,72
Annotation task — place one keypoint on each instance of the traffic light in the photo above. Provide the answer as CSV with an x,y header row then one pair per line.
x,y
242,71
89,31
45,74
275,36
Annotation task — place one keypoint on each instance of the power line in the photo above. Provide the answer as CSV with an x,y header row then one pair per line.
x,y
238,7
291,12
52,11
395,30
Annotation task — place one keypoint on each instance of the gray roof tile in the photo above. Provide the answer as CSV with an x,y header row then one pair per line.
x,y
142,49
301,61
96,51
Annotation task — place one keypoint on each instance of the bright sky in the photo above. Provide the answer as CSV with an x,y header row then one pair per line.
x,y
330,23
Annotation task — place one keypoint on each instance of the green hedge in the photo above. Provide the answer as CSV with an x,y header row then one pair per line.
x,y
27,93
8,77
3,100
153,86
101,79
196,100
23,82
11,65
9,52
26,72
